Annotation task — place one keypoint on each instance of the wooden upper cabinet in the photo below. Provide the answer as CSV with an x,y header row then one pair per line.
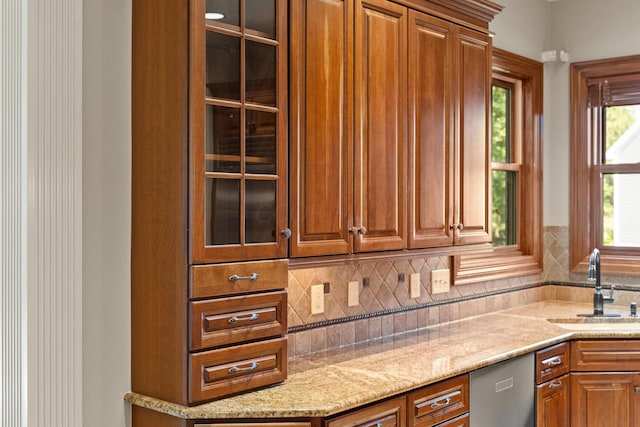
x,y
449,95
473,150
380,62
321,126
347,162
389,128
238,131
432,79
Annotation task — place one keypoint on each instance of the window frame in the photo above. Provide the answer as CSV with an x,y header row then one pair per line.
x,y
585,213
525,258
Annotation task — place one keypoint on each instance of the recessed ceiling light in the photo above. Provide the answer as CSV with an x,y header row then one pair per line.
x,y
213,15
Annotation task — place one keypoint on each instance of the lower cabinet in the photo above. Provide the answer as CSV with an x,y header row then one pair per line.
x,y
443,404
552,408
390,413
605,399
605,383
552,389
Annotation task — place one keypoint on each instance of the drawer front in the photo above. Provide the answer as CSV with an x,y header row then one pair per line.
x,y
390,413
265,424
238,278
439,402
605,355
231,370
226,321
461,421
552,362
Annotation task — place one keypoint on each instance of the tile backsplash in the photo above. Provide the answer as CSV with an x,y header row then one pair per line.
x,y
385,307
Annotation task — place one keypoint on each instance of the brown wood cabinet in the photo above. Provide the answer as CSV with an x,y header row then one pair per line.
x,y
449,83
553,386
390,413
209,162
605,383
553,402
348,126
366,75
439,404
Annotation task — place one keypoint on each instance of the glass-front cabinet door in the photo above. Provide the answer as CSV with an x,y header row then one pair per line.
x,y
238,130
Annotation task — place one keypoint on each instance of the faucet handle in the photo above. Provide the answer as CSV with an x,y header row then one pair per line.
x,y
609,298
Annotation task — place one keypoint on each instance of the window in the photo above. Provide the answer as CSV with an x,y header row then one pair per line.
x,y
516,174
505,160
605,164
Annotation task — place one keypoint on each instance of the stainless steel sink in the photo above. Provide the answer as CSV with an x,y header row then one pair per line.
x,y
596,319
598,323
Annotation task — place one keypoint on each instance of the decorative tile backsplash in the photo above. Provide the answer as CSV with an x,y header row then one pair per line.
x,y
385,306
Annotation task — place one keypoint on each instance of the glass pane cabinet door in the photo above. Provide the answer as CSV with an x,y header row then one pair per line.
x,y
238,135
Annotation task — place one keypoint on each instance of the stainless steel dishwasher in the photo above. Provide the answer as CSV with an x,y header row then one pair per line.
x,y
502,395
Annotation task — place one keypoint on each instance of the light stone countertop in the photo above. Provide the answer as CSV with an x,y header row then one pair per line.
x,y
327,383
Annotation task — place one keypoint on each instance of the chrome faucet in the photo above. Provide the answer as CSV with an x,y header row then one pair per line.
x,y
593,274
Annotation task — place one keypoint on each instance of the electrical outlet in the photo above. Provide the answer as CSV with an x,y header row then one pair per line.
x,y
353,295
440,281
414,285
317,299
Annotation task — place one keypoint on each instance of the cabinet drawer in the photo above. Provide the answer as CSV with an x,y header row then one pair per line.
x,y
231,370
238,278
605,355
390,413
552,362
439,402
231,320
461,421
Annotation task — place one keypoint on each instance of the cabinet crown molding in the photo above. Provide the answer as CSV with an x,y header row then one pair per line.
x,y
476,12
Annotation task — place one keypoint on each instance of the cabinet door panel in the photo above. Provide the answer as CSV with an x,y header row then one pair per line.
x,y
605,399
430,131
552,403
380,151
238,136
321,123
475,83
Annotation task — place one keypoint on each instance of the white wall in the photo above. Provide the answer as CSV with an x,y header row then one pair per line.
x,y
587,29
106,211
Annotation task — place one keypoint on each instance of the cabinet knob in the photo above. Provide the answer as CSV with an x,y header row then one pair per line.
x,y
358,230
285,233
637,389
458,227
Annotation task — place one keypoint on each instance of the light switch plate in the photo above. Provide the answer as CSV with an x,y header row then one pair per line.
x,y
440,281
414,285
317,299
353,294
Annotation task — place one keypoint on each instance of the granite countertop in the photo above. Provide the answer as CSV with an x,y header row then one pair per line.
x,y
330,382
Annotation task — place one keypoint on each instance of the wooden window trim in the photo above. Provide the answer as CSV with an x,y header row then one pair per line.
x,y
584,214
526,258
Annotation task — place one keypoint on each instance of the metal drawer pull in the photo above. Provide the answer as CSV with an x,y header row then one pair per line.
x,y
555,384
235,277
252,316
235,369
552,361
442,401
636,389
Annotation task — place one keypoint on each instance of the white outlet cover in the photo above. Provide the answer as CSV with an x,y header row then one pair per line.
x,y
317,299
440,281
414,285
353,294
